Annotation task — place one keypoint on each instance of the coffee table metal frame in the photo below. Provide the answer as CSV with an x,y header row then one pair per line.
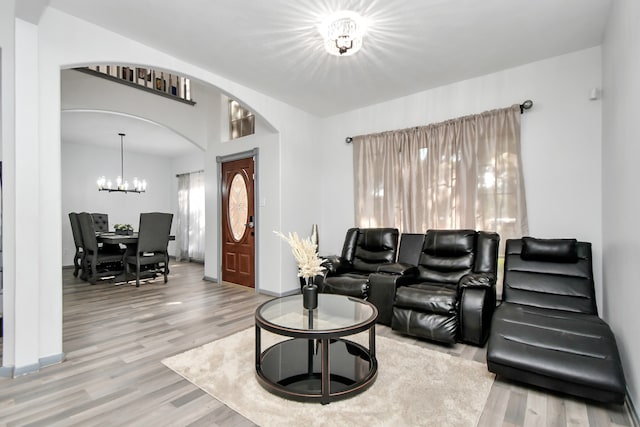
x,y
327,338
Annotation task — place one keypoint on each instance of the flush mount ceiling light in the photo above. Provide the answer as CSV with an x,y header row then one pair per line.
x,y
342,33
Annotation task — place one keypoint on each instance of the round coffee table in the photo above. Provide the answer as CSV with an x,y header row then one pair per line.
x,y
316,364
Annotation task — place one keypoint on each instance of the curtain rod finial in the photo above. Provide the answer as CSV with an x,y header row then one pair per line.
x,y
526,105
348,140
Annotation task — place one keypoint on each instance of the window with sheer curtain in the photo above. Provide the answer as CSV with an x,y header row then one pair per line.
x,y
462,173
190,219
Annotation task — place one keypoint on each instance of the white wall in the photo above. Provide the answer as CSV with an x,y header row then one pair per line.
x,y
561,138
28,298
83,91
62,41
621,204
7,150
82,164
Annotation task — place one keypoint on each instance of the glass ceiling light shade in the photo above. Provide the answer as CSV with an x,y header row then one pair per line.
x,y
342,33
122,186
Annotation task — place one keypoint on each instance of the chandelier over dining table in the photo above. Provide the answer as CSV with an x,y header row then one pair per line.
x,y
121,184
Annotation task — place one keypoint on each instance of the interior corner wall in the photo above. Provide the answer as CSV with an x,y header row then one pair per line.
x,y
27,290
620,177
7,126
561,144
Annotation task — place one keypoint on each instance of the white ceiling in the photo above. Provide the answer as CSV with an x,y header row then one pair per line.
x,y
411,45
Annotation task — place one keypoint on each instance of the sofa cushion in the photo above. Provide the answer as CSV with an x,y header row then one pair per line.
x,y
550,250
432,326
349,284
436,299
447,255
374,246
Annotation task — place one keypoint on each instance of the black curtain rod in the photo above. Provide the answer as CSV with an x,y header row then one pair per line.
x,y
526,105
189,173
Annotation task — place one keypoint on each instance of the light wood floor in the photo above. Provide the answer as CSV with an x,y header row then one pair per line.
x,y
116,336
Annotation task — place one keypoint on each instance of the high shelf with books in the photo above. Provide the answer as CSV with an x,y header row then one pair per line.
x,y
170,85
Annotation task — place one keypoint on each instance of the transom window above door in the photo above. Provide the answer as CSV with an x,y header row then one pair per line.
x,y
241,120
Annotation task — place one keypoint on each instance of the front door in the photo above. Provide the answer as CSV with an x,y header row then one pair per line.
x,y
238,233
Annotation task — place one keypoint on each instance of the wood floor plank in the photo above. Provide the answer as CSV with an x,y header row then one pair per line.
x,y
556,412
115,337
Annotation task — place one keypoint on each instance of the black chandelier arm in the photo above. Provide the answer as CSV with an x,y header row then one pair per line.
x,y
116,190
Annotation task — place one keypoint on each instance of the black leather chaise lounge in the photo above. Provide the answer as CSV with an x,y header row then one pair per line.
x,y
547,331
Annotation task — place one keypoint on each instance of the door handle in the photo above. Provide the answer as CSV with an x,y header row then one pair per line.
x,y
250,223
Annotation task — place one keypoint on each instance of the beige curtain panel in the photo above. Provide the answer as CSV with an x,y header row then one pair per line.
x,y
462,173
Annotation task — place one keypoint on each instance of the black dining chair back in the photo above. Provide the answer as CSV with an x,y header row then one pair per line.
x,y
153,242
153,232
88,232
77,240
100,222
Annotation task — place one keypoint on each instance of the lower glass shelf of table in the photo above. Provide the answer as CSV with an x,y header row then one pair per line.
x,y
317,363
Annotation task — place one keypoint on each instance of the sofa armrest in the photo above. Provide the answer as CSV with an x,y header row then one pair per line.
x,y
335,264
477,281
399,268
382,293
477,302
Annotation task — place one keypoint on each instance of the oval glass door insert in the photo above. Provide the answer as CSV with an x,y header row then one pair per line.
x,y
238,207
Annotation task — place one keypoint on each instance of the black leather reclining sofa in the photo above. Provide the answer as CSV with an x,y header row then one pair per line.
x,y
547,331
445,280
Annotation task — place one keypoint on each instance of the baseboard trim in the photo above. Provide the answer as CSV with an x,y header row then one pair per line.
x,y
51,360
280,294
27,369
210,279
13,372
6,372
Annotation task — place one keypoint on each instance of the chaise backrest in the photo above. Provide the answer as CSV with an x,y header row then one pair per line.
x,y
367,248
549,273
447,255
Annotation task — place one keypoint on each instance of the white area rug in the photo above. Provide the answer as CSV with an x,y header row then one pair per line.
x,y
415,386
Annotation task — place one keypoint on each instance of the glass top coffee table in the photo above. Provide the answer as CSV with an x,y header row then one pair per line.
x,y
316,363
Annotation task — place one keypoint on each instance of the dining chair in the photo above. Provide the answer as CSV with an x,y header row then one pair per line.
x,y
78,258
153,242
109,260
101,225
100,222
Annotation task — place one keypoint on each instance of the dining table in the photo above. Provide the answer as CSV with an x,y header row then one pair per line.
x,y
112,238
128,240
